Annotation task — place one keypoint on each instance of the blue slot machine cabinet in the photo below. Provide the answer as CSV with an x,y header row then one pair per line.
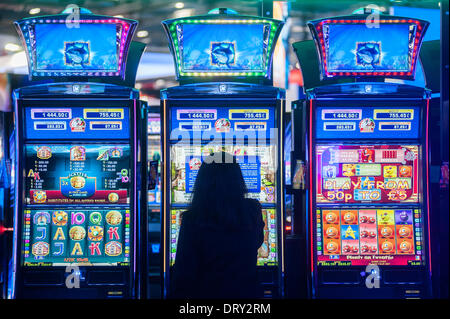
x,y
225,103
367,155
77,190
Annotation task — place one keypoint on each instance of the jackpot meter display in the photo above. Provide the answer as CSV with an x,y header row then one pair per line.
x,y
77,174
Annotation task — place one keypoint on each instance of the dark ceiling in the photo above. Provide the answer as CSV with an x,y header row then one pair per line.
x,y
150,13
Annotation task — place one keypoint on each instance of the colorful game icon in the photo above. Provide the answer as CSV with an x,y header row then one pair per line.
x,y
348,170
332,247
103,155
40,249
329,171
77,233
367,155
77,182
405,247
331,232
113,248
95,233
404,231
386,232
95,218
113,217
39,197
78,153
44,152
222,125
405,171
331,217
41,218
366,125
349,217
77,124
116,152
368,54
387,247
60,218
389,171
113,197
223,54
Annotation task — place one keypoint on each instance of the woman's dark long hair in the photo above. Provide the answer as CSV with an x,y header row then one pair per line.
x,y
219,193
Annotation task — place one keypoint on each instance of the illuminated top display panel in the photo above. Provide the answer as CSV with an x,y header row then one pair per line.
x,y
91,46
222,46
363,46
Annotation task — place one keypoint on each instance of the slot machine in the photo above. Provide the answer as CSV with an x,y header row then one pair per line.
x,y
225,103
78,198
367,155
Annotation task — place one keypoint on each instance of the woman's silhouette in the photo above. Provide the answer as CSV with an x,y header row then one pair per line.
x,y
219,236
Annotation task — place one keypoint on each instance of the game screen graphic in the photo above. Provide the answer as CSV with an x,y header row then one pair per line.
x,y
258,166
367,174
367,49
219,47
60,48
267,253
77,174
66,236
382,236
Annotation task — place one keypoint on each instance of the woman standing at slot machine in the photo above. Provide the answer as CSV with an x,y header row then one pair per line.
x,y
219,236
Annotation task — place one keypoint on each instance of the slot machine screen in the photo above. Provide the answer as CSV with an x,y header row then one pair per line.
x,y
77,174
208,48
63,236
60,48
267,253
360,236
257,165
367,49
359,175
380,174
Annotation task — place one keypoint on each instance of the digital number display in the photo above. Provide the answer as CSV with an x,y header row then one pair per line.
x,y
236,114
389,114
43,114
103,114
